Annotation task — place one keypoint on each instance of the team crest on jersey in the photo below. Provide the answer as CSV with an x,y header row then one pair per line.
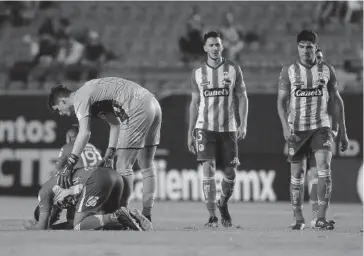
x,y
321,82
226,81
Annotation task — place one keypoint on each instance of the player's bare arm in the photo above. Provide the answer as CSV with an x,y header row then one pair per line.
x,y
114,123
337,107
282,100
195,101
242,98
339,116
83,136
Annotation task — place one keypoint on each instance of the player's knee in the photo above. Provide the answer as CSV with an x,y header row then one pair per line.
x,y
209,168
323,165
125,172
298,170
149,172
230,173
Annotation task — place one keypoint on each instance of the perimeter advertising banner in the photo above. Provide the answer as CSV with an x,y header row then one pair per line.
x,y
30,138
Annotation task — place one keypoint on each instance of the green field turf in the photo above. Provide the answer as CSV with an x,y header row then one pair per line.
x,y
179,231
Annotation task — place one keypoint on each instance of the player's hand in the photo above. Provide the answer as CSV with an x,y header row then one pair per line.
x,y
191,143
241,133
64,179
344,141
106,162
335,133
290,136
30,225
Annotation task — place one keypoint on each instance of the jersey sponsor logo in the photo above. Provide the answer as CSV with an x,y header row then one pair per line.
x,y
216,92
91,201
316,92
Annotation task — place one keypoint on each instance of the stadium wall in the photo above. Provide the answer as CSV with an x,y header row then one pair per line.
x,y
30,138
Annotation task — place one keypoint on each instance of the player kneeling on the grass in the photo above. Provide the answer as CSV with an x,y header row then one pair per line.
x,y
310,88
217,88
95,196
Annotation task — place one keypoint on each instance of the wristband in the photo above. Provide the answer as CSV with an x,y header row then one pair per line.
x,y
72,160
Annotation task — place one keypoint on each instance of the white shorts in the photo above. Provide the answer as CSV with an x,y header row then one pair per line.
x,y
142,128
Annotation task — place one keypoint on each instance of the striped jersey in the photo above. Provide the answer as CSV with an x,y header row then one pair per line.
x,y
116,94
217,88
309,89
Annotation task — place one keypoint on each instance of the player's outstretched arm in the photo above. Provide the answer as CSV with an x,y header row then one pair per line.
x,y
83,136
114,123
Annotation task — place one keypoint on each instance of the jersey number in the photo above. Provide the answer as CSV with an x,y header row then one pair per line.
x,y
90,157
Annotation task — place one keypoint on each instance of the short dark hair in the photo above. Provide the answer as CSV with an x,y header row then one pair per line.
x,y
56,93
307,35
209,34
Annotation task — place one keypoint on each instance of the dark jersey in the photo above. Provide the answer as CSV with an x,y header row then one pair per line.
x,y
51,193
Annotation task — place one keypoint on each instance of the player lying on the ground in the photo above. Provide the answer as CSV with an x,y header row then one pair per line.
x,y
96,197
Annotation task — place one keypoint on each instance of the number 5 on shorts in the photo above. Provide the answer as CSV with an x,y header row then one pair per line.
x,y
199,147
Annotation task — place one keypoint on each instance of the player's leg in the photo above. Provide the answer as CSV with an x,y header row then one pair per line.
x,y
132,136
205,150
125,159
322,146
94,194
228,153
312,177
297,156
146,158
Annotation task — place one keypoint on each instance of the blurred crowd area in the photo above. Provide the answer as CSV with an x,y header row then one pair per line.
x,y
43,43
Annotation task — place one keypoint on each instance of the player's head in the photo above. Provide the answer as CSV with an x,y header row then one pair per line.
x,y
72,133
213,45
307,45
59,100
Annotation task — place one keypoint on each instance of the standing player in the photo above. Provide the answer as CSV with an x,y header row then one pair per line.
x,y
308,85
95,194
134,116
217,88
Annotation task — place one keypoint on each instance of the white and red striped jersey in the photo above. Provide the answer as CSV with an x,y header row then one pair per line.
x,y
217,88
309,89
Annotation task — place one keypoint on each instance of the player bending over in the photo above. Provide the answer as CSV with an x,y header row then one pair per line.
x,y
94,198
217,88
310,88
134,116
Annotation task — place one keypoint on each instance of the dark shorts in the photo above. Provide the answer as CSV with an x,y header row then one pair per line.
x,y
219,146
101,193
310,141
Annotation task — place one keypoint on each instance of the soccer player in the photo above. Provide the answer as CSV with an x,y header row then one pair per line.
x,y
95,194
90,156
309,89
217,89
134,116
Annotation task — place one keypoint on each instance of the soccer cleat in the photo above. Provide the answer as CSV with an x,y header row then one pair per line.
x,y
323,224
149,217
143,221
125,218
313,223
212,223
298,226
225,215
